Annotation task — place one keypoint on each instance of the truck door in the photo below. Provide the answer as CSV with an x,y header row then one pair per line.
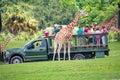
x,y
36,50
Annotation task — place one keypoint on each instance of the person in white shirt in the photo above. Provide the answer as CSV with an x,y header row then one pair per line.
x,y
98,38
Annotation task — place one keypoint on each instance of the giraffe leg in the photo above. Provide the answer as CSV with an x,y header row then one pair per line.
x,y
59,48
55,48
64,51
69,50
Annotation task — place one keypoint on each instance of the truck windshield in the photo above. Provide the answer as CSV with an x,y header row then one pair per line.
x,y
28,43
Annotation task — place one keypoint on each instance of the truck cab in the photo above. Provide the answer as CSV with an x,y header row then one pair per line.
x,y
33,50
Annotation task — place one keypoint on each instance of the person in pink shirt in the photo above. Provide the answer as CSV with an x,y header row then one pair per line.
x,y
104,30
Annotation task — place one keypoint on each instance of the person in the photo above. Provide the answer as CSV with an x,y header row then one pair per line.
x,y
94,37
46,33
57,29
36,44
90,38
104,30
80,38
98,38
43,43
86,32
95,25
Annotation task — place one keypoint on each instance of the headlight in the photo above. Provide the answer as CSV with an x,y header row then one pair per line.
x,y
7,53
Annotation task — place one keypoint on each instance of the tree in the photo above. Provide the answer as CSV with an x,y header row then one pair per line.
x,y
17,23
119,20
0,22
50,12
18,18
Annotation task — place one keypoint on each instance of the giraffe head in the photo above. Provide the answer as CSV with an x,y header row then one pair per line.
x,y
83,12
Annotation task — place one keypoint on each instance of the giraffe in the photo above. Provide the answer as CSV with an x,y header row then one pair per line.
x,y
65,36
4,44
110,23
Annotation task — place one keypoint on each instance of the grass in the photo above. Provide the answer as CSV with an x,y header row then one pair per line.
x,y
107,68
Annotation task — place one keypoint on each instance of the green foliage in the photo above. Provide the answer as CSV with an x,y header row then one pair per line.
x,y
53,12
31,16
22,36
113,35
26,37
16,44
4,36
18,18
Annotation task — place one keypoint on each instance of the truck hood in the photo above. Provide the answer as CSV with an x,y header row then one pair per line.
x,y
15,50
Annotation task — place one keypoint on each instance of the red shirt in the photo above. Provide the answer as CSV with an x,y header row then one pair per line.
x,y
85,30
46,33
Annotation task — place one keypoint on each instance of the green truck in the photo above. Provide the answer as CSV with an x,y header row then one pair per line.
x,y
42,49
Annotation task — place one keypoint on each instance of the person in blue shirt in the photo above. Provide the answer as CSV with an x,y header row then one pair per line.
x,y
57,29
80,38
80,31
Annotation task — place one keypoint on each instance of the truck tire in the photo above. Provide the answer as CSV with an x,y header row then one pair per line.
x,y
16,59
78,57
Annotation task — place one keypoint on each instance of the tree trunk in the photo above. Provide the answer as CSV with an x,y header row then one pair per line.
x,y
119,21
0,23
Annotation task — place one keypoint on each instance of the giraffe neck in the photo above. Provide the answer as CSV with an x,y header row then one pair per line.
x,y
74,22
4,44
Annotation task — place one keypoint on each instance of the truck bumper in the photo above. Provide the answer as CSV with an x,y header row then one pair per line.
x,y
3,58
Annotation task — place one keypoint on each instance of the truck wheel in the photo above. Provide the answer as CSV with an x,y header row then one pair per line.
x,y
16,59
78,57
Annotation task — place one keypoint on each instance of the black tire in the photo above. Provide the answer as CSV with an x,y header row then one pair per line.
x,y
78,57
16,59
